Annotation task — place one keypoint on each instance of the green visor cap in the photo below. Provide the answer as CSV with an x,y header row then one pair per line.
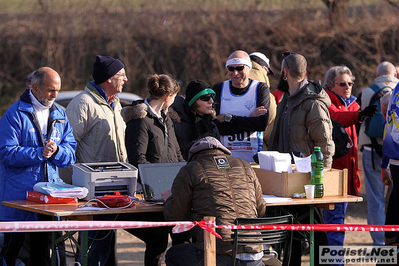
x,y
201,93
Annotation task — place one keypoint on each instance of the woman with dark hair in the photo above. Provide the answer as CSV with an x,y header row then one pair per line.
x,y
193,115
150,138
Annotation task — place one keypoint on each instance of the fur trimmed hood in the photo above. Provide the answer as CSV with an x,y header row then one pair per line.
x,y
137,109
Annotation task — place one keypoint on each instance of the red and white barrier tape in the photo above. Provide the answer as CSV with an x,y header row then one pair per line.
x,y
50,226
43,226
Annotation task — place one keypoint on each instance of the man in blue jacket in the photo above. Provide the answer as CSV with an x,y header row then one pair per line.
x,y
35,140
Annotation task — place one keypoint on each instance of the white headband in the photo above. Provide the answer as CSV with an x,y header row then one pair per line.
x,y
239,61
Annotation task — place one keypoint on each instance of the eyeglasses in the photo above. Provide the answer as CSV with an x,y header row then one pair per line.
x,y
121,75
206,98
239,68
344,84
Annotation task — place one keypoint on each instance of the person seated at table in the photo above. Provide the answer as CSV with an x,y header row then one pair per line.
x,y
214,183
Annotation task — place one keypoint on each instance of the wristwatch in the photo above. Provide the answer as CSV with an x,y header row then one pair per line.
x,y
228,117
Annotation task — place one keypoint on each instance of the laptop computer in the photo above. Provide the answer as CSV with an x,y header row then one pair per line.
x,y
157,178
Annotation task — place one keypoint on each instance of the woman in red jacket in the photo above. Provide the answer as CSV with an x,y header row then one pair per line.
x,y
338,83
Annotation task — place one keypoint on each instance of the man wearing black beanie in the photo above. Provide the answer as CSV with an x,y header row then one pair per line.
x,y
99,130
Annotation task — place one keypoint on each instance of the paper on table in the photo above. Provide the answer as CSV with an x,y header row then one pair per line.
x,y
303,165
60,189
275,161
275,199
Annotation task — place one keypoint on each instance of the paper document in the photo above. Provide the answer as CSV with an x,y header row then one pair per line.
x,y
303,165
60,189
275,199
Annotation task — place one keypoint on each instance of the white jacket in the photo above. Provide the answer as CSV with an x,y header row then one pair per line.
x,y
98,129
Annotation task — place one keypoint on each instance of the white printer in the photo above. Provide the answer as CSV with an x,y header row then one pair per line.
x,y
105,178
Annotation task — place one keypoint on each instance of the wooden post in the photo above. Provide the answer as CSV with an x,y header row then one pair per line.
x,y
209,245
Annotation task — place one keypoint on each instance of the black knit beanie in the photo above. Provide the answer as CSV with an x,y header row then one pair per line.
x,y
195,89
105,68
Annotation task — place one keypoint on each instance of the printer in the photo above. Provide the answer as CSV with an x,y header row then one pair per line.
x,y
105,178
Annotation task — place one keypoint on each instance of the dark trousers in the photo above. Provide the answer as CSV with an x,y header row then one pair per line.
x,y
39,248
155,238
393,207
300,213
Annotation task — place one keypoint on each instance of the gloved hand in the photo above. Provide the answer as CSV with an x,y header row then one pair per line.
x,y
369,111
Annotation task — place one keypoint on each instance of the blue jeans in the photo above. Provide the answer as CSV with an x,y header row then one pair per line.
x,y
189,255
336,216
375,194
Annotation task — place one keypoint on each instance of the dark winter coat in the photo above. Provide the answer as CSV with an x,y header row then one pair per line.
x,y
189,127
149,139
207,187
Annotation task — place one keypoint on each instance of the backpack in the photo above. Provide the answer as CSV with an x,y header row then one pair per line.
x,y
343,142
375,125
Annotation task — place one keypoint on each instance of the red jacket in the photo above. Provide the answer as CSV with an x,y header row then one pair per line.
x,y
348,117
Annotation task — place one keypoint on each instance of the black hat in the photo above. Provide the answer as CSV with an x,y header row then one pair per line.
x,y
262,60
105,68
195,89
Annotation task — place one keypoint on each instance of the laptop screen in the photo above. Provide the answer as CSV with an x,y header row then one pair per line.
x,y
158,177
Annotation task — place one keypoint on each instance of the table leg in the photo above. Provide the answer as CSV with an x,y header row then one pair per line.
x,y
53,250
84,253
311,244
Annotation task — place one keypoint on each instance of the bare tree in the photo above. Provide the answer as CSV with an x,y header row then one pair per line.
x,y
337,11
393,4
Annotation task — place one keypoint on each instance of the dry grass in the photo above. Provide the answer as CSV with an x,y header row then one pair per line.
x,y
188,42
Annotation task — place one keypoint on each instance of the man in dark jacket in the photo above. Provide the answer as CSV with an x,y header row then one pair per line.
x,y
214,183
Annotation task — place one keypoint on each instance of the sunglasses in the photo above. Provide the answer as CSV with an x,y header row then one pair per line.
x,y
343,84
207,97
239,68
286,54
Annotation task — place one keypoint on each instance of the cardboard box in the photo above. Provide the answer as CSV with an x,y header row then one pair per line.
x,y
286,184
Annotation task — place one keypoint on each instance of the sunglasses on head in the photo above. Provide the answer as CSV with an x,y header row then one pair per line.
x,y
206,98
239,68
287,53
343,84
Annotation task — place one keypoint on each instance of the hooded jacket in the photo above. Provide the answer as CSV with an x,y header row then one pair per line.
x,y
148,138
188,127
98,128
21,145
308,122
213,183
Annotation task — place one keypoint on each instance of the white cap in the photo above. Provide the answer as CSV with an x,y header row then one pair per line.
x,y
262,60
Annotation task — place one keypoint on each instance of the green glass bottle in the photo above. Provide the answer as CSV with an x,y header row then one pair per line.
x,y
317,161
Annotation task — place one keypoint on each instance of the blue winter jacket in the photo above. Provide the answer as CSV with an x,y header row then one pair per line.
x,y
390,147
21,162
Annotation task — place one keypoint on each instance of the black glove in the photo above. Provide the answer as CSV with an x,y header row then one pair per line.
x,y
369,111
